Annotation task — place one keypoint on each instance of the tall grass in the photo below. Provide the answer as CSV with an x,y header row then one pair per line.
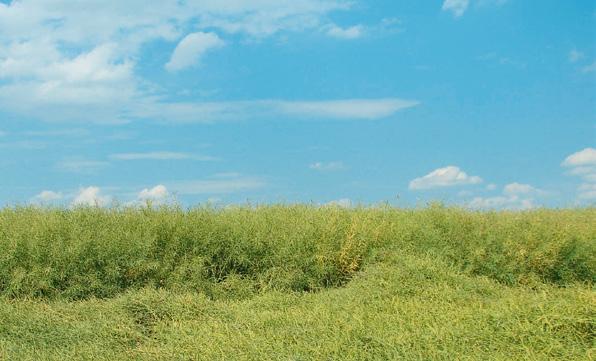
x,y
296,283
95,252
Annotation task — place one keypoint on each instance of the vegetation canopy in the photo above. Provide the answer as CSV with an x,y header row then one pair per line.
x,y
296,282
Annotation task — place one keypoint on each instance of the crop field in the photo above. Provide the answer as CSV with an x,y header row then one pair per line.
x,y
297,283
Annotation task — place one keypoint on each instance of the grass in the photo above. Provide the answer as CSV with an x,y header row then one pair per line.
x,y
297,283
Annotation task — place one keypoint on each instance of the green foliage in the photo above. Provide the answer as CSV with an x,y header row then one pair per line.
x,y
95,252
76,254
296,283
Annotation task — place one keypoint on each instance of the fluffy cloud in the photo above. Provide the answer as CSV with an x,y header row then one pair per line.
x,y
444,177
101,65
587,173
190,50
515,196
47,196
327,167
157,193
98,21
95,83
266,17
352,32
519,189
457,7
75,61
90,196
582,164
587,191
585,157
343,203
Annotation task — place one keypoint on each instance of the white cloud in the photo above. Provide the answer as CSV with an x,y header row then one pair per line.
x,y
352,32
75,62
587,173
519,188
583,165
62,61
158,193
491,187
575,55
587,191
444,177
584,157
72,61
502,202
137,23
343,203
47,196
161,156
581,170
267,17
457,7
344,109
389,25
217,185
190,50
98,65
516,196
97,76
327,167
94,84
90,196
214,200
464,193
589,68
349,109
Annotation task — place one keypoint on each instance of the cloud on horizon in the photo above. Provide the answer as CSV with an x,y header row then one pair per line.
x,y
444,177
582,164
47,197
515,196
90,196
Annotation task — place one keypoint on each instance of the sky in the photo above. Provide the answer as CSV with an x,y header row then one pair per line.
x,y
486,104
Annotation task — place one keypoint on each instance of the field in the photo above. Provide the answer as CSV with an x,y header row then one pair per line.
x,y
297,283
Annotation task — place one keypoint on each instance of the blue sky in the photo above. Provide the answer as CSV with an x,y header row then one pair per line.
x,y
481,103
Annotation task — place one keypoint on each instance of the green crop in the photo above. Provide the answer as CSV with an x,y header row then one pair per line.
x,y
296,283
